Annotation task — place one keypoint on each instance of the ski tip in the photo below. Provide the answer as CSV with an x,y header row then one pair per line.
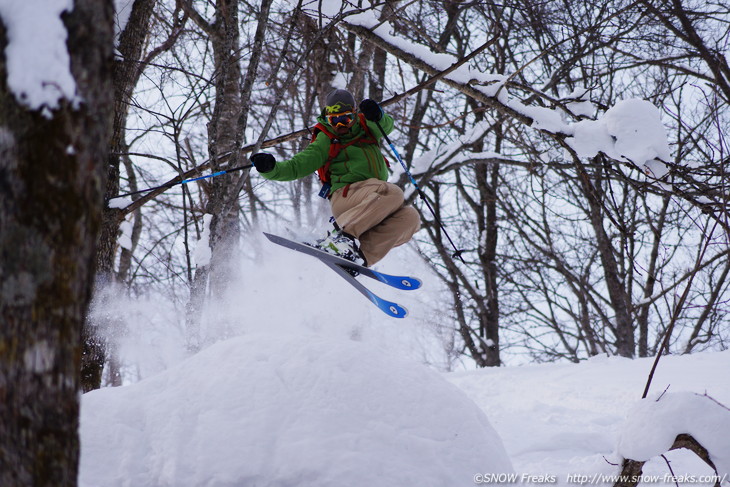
x,y
396,311
405,283
410,283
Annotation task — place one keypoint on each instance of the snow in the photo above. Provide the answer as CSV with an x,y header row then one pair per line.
x,y
126,228
301,398
542,118
122,11
339,81
303,408
632,130
640,135
581,104
119,202
292,409
203,253
38,64
653,424
577,421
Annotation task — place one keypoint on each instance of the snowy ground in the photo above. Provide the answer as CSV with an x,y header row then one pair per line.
x,y
290,393
287,409
564,420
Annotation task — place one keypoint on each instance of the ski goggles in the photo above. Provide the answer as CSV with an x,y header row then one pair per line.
x,y
345,119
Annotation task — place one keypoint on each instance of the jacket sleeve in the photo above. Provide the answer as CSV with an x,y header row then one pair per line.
x,y
303,163
386,122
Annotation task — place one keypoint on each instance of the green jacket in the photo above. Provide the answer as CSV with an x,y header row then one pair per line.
x,y
354,163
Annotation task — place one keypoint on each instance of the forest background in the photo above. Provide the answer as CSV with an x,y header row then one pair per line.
x,y
565,256
568,252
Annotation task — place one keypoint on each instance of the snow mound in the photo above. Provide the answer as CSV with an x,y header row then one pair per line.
x,y
653,424
270,410
567,419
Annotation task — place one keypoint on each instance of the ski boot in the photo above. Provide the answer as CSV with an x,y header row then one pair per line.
x,y
342,245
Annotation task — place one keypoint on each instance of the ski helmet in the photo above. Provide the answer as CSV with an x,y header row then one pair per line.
x,y
339,101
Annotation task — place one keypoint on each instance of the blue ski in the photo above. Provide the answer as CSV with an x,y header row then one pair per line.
x,y
340,265
390,308
399,282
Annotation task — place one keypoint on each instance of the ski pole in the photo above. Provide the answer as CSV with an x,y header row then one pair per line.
x,y
186,181
421,194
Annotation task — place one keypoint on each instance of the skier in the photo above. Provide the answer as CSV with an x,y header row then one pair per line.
x,y
346,154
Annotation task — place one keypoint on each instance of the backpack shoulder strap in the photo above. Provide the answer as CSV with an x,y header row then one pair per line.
x,y
364,124
370,138
320,128
335,148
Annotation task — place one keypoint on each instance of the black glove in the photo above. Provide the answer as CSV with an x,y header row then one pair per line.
x,y
371,110
263,162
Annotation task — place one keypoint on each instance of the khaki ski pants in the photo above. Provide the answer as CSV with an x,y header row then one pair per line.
x,y
373,211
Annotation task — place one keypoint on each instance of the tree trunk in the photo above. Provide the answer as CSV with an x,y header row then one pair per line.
x,y
224,139
126,72
52,175
623,324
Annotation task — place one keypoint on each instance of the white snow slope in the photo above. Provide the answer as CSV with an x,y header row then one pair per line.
x,y
294,410
306,410
567,422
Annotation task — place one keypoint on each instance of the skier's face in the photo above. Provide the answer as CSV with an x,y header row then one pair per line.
x,y
341,122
